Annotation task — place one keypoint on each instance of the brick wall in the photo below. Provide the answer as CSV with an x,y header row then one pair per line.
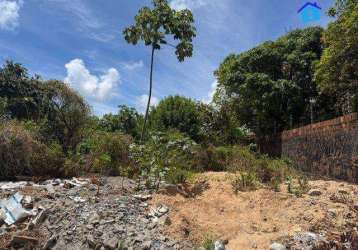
x,y
328,148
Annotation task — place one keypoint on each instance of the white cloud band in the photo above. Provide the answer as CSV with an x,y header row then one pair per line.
x,y
79,77
9,14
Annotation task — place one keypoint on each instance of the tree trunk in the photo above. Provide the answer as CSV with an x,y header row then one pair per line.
x,y
149,97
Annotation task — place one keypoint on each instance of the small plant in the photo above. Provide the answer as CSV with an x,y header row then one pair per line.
x,y
245,181
165,156
208,243
299,189
276,185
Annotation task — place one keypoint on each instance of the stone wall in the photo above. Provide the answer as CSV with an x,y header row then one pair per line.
x,y
328,148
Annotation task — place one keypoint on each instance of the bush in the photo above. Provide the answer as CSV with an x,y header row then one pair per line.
x,y
165,156
48,161
245,181
15,150
108,153
212,158
21,153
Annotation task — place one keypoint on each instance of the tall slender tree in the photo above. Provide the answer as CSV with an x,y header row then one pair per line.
x,y
154,27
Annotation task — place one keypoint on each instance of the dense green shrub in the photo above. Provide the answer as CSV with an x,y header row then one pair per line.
x,y
108,153
67,118
48,161
165,156
179,113
212,158
21,153
126,121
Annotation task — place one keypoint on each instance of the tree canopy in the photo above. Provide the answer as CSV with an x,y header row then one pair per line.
x,y
177,112
271,86
337,71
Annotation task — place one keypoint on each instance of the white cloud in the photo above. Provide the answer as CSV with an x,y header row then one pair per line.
x,y
141,103
133,65
211,94
90,85
187,4
9,14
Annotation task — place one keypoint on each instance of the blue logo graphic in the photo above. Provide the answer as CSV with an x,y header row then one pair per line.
x,y
310,12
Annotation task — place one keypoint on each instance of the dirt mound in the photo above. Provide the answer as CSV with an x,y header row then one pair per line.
x,y
253,220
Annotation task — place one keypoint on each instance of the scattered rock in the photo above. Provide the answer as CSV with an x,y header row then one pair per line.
x,y
219,245
50,243
315,192
18,240
90,241
143,197
111,244
146,245
277,246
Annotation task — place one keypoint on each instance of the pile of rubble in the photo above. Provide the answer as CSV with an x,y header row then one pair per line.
x,y
68,214
313,241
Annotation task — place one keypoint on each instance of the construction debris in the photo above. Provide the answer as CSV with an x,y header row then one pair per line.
x,y
13,210
67,214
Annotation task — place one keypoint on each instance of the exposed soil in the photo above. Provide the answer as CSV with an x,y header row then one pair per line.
x,y
253,220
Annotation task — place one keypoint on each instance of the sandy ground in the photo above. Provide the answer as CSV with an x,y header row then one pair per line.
x,y
253,220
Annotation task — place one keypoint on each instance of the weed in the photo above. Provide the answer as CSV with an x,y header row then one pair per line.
x,y
245,181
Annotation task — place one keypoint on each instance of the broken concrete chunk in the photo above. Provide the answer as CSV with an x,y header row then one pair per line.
x,y
219,245
13,185
159,211
13,209
277,246
28,202
38,220
143,197
50,189
111,244
91,241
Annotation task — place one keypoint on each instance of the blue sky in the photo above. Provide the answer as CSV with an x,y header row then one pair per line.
x,y
80,41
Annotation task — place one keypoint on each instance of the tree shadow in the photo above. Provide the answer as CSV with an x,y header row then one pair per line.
x,y
186,190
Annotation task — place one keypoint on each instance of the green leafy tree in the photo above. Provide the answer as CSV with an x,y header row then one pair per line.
x,y
337,70
25,96
177,113
126,121
67,118
154,26
271,87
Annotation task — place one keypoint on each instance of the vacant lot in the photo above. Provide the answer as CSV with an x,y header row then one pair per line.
x,y
253,220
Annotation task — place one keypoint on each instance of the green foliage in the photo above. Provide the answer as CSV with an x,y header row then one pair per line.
x,y
15,150
108,154
221,126
23,154
270,87
208,243
336,72
297,187
126,121
68,117
154,25
244,181
176,112
165,156
25,96
49,161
